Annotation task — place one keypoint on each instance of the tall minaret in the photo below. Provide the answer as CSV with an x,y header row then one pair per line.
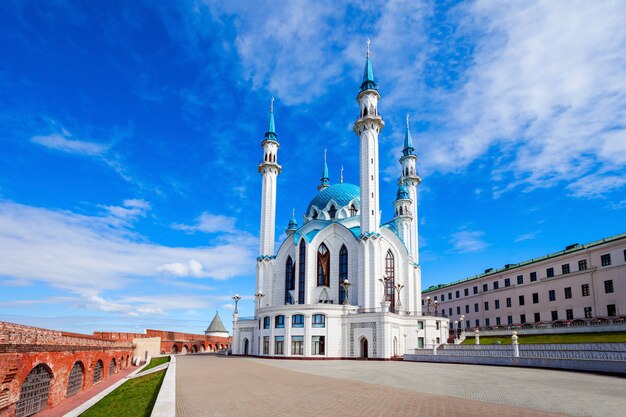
x,y
324,181
368,126
269,169
403,214
411,180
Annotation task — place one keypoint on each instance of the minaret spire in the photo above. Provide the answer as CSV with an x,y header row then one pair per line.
x,y
368,74
271,129
324,181
408,142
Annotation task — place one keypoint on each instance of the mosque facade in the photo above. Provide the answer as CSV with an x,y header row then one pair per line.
x,y
345,283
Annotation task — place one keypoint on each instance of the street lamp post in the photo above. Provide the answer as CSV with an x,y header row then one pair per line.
x,y
398,288
436,304
456,328
384,281
428,302
462,318
259,297
346,286
236,297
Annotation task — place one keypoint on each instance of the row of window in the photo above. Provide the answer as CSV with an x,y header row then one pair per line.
x,y
297,321
323,273
611,311
605,260
318,345
608,288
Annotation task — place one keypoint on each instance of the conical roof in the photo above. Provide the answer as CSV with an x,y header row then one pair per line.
x,y
216,325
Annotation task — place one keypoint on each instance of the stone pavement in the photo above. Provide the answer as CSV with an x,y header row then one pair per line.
x,y
229,386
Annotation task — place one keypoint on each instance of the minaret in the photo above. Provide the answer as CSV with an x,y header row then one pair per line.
x,y
269,169
367,127
324,181
411,180
403,214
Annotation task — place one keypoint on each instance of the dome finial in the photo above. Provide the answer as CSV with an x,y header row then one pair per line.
x,y
272,105
407,120
341,175
368,47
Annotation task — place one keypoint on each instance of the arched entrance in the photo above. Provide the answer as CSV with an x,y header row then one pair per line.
x,y
395,346
364,348
184,350
97,372
193,349
34,392
112,367
75,380
246,346
174,349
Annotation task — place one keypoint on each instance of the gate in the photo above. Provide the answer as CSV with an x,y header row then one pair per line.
x,y
97,372
75,380
34,392
112,367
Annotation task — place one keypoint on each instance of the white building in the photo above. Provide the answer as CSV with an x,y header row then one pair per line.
x,y
344,284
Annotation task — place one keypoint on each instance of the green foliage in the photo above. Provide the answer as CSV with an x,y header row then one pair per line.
x,y
134,398
154,362
607,337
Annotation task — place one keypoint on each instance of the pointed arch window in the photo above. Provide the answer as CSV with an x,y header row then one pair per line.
x,y
343,272
352,210
323,266
391,281
290,280
332,212
301,272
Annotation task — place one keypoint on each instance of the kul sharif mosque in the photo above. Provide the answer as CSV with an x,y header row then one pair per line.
x,y
346,283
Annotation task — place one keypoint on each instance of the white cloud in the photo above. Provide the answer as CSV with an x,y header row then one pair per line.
x,y
191,269
93,254
526,236
209,223
547,88
465,241
61,142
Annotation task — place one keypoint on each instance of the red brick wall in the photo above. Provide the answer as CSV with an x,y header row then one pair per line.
x,y
23,347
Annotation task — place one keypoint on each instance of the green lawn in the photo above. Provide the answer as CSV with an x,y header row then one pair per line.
x,y
134,398
154,362
609,337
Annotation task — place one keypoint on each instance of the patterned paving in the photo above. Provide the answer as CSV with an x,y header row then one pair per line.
x,y
218,386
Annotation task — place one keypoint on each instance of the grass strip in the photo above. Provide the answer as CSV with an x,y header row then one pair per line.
x,y
154,362
607,337
134,398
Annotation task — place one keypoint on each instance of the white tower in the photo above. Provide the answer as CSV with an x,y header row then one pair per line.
x,y
411,180
269,169
367,127
403,208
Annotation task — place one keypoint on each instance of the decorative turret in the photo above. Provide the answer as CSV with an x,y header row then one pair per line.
x,y
367,127
216,328
293,224
324,181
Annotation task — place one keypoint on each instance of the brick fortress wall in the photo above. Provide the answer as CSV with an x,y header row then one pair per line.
x,y
22,348
174,342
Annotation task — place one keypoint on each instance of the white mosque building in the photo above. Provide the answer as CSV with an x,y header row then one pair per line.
x,y
344,284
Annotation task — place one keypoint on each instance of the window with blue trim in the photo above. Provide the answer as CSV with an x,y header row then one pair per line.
x,y
266,322
301,272
319,320
297,320
279,322
323,266
290,280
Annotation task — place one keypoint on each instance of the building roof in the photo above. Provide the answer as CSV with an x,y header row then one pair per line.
x,y
341,194
216,325
510,267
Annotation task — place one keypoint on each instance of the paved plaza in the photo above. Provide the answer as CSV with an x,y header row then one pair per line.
x,y
208,385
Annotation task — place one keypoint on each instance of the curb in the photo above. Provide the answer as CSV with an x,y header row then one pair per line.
x,y
165,405
93,400
150,371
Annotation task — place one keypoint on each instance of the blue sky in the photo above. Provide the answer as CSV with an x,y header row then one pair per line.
x,y
131,131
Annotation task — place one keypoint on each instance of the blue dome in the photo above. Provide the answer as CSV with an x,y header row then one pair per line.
x,y
341,194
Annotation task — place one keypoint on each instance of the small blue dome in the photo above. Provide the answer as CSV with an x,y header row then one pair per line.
x,y
341,194
403,193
